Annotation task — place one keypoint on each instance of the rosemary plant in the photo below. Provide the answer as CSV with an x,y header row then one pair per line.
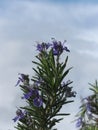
x,y
49,90
88,115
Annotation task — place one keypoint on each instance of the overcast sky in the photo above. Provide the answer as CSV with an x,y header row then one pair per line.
x,y
22,23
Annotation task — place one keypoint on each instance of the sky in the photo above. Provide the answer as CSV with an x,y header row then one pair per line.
x,y
22,23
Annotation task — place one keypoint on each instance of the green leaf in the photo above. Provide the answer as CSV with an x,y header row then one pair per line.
x,y
64,74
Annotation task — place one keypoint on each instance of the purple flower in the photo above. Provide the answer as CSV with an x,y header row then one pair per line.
x,y
48,45
18,82
58,47
22,78
88,107
27,95
32,92
87,104
55,52
16,118
38,101
19,115
43,46
39,47
79,122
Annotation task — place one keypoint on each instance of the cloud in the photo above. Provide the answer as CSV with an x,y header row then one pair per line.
x,y
24,22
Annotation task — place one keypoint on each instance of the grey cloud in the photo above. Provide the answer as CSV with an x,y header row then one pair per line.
x,y
33,18
21,24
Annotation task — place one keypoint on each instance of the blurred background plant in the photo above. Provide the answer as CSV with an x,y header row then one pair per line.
x,y
47,91
88,114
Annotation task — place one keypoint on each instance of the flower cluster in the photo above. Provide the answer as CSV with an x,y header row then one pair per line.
x,y
19,115
56,46
79,122
31,93
22,78
43,46
23,116
87,111
68,90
